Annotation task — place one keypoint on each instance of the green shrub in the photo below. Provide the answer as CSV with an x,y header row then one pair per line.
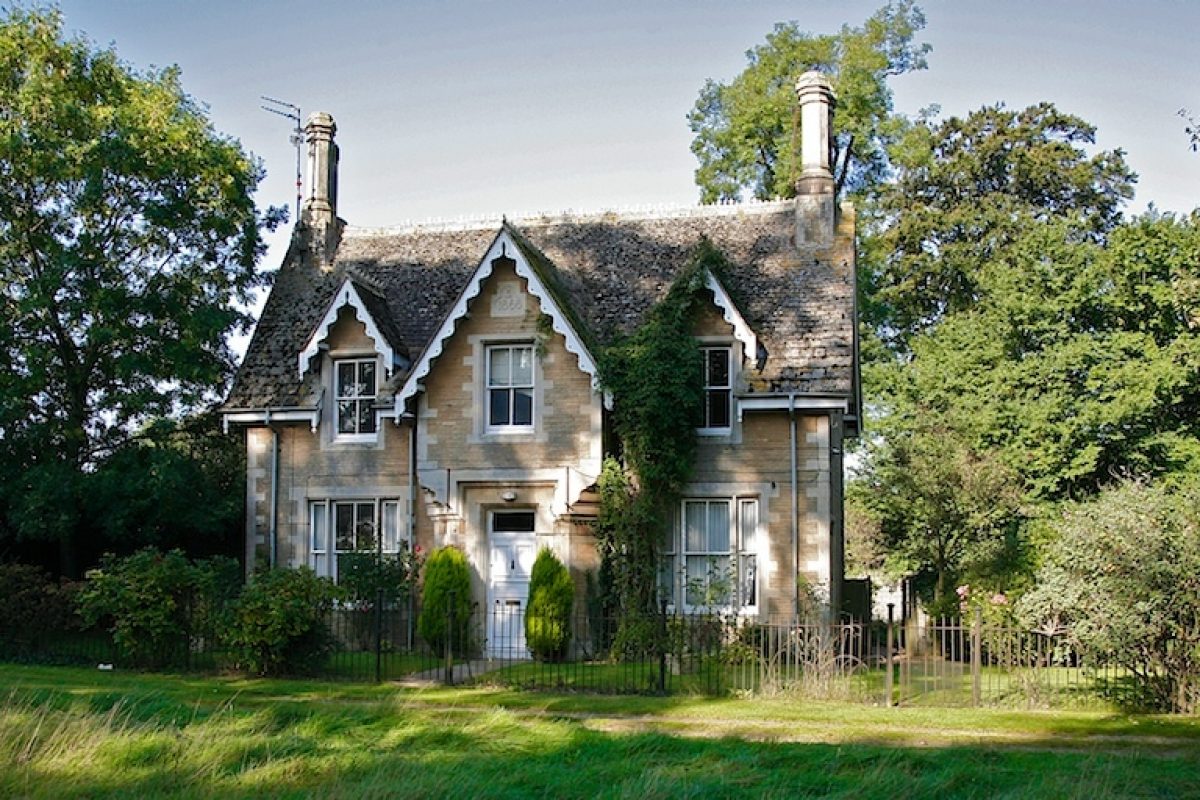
x,y
280,624
156,604
35,606
548,614
446,602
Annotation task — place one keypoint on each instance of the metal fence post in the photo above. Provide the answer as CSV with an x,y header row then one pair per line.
x,y
662,648
976,656
887,677
449,669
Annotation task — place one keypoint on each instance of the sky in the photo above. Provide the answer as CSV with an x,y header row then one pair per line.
x,y
481,107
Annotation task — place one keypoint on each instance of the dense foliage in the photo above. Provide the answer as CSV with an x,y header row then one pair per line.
x,y
747,130
548,613
656,378
1121,579
445,618
280,623
128,239
35,606
154,603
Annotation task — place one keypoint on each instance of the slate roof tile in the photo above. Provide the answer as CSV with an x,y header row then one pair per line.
x,y
611,268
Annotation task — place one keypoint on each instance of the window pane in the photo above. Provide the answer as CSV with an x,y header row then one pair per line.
x,y
694,539
717,411
346,416
720,581
749,580
317,512
522,407
366,417
498,410
365,527
718,527
749,525
345,378
694,580
718,367
499,366
344,525
512,521
321,565
389,524
522,366
366,378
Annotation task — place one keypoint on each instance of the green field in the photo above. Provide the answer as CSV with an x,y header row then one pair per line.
x,y
67,732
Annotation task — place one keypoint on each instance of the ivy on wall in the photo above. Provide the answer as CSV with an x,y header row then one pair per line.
x,y
657,381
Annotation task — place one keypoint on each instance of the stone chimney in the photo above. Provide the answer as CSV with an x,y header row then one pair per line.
x,y
320,208
814,190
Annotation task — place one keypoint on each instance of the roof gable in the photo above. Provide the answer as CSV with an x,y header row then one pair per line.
x,y
357,297
730,312
539,284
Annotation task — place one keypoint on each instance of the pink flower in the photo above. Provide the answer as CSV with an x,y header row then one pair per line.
x,y
998,599
963,590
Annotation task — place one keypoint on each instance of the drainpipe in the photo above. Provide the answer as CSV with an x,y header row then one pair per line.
x,y
795,507
274,527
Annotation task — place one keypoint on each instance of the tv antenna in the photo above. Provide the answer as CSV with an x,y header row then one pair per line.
x,y
292,112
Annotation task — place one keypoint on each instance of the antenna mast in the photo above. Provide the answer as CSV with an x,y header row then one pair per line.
x,y
292,112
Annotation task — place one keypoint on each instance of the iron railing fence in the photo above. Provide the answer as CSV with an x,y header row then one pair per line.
x,y
934,662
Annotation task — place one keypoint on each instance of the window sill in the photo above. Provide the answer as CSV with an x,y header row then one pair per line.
x,y
356,438
715,432
512,430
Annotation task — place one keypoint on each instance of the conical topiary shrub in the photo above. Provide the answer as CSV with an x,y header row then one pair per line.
x,y
548,614
446,602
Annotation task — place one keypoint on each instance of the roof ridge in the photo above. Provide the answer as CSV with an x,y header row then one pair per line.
x,y
646,211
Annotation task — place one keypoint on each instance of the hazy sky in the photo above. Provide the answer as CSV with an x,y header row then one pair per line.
x,y
451,108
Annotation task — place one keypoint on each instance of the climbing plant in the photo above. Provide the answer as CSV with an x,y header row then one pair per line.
x,y
656,379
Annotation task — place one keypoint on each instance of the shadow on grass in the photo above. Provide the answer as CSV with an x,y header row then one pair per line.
x,y
378,752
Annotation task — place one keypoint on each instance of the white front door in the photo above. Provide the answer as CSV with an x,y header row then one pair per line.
x,y
513,548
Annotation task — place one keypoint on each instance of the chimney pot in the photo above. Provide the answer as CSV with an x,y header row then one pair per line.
x,y
814,188
321,206
320,209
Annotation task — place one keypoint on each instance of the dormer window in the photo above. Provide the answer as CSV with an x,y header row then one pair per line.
x,y
354,390
718,389
510,387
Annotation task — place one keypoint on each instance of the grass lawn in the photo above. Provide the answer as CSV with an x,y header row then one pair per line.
x,y
69,732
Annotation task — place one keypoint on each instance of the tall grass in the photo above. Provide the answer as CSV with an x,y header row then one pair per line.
x,y
71,733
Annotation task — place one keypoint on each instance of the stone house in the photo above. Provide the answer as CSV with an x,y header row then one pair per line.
x,y
438,385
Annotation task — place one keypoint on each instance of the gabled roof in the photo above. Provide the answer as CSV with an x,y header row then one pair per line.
x,y
602,271
539,279
370,309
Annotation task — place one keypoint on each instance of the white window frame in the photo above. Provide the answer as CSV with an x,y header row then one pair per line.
x,y
718,430
323,555
510,387
368,399
743,553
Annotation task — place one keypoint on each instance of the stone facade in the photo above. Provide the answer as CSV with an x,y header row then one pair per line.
x,y
370,409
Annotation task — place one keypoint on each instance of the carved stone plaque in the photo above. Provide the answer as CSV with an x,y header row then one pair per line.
x,y
509,300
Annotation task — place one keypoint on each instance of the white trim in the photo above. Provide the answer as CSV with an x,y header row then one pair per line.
x,y
354,436
503,245
730,378
509,428
741,329
267,416
349,297
784,402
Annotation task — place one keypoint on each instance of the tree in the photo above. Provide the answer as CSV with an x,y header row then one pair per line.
x,y
128,234
747,131
966,189
936,507
1031,332
1121,579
